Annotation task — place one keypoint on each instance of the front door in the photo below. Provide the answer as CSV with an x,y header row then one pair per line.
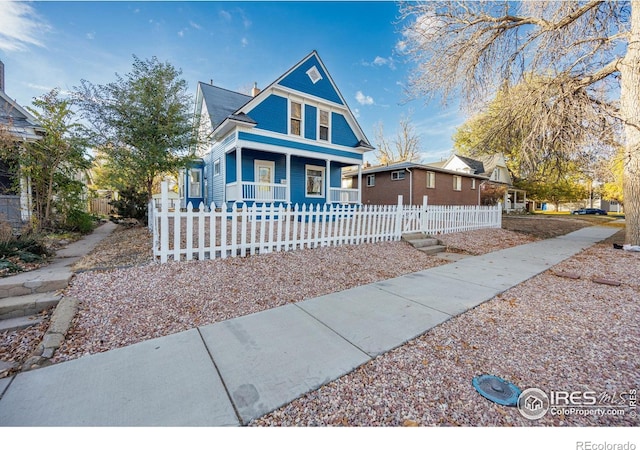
x,y
265,179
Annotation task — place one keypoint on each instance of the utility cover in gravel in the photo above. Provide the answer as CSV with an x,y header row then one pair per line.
x,y
497,390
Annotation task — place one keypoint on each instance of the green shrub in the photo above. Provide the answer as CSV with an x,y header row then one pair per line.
x,y
6,264
78,220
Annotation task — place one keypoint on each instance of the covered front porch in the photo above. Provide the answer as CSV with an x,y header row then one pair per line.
x,y
515,200
254,175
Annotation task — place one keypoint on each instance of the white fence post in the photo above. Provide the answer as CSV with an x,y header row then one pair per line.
x,y
423,214
164,222
398,231
262,229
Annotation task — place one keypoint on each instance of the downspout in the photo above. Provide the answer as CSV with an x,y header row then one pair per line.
x,y
410,186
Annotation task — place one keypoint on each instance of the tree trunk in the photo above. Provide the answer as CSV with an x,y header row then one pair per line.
x,y
630,111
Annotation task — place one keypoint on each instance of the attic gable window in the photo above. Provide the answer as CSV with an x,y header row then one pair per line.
x,y
295,126
314,74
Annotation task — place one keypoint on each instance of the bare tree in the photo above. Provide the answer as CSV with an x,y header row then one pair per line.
x,y
572,58
404,147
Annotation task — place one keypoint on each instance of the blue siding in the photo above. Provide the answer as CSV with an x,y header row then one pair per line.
x,y
248,164
298,179
271,114
310,121
341,132
297,145
300,81
215,184
230,162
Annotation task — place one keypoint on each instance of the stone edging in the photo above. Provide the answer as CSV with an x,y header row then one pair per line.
x,y
54,337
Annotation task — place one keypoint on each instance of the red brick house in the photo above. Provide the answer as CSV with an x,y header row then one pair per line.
x,y
383,184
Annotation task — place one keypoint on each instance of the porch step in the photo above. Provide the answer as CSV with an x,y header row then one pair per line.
x,y
427,242
25,305
432,249
18,323
413,236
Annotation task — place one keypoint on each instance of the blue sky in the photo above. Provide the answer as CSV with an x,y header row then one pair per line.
x,y
57,44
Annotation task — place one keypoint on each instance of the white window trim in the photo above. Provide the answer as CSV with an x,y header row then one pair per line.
x,y
198,184
398,172
314,74
373,178
431,175
308,167
216,165
328,111
302,108
457,183
473,183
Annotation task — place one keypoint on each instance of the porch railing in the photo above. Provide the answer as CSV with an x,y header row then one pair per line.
x,y
261,192
342,195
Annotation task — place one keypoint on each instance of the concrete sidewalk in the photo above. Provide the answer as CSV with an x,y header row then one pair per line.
x,y
56,275
234,371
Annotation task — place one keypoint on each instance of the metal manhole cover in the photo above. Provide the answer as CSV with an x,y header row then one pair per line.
x,y
497,390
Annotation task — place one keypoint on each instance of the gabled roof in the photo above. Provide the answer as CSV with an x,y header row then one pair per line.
x,y
221,103
226,106
18,120
474,164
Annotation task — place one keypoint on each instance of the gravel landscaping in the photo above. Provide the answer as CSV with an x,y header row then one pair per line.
x,y
553,332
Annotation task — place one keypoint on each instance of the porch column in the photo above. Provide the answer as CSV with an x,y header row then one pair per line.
x,y
328,182
506,198
359,184
239,174
288,177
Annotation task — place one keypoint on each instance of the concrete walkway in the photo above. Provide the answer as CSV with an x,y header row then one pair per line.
x,y
56,275
229,373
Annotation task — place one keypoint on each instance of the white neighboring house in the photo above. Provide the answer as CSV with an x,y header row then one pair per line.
x,y
23,128
493,167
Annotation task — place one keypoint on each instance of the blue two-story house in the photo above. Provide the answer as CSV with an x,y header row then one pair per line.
x,y
286,143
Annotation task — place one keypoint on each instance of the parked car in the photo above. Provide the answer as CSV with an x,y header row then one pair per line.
x,y
596,211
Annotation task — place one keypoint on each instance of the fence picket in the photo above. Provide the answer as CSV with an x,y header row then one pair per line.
x,y
286,227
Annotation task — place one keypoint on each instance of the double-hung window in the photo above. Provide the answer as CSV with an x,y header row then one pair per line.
x,y
431,180
315,181
195,176
371,180
324,125
295,126
457,183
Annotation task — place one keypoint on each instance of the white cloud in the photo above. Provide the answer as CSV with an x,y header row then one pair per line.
x,y
244,41
181,33
356,113
381,61
226,15
195,25
364,99
91,36
20,26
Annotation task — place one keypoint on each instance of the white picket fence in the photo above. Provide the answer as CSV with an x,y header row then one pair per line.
x,y
241,230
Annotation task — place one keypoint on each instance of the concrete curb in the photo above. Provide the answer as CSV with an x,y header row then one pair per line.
x,y
54,337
